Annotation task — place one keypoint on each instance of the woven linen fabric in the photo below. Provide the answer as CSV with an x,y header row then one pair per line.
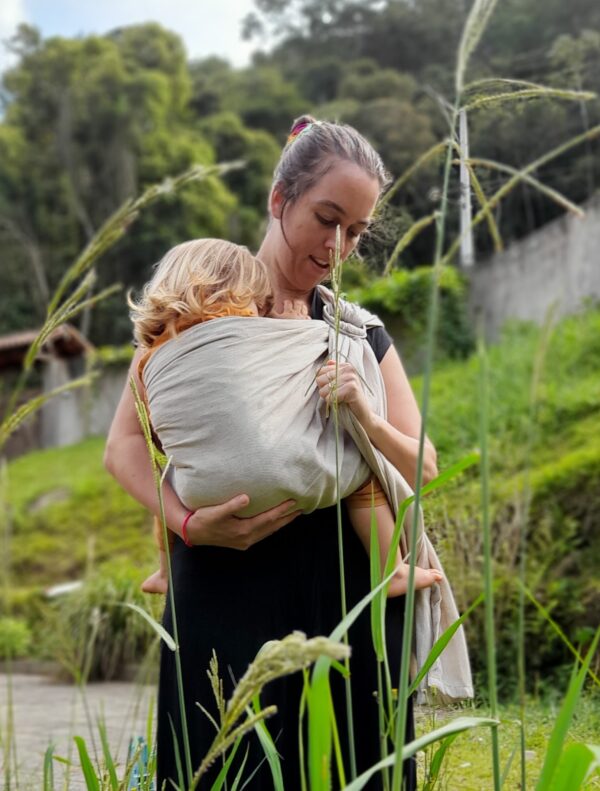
x,y
236,407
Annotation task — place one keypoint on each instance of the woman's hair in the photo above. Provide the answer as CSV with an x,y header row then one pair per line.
x,y
196,281
312,149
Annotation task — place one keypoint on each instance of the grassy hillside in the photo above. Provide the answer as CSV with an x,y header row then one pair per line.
x,y
66,511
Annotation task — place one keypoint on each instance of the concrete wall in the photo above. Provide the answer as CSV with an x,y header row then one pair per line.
x,y
84,412
557,265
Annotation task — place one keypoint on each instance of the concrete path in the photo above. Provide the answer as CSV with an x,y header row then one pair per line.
x,y
45,712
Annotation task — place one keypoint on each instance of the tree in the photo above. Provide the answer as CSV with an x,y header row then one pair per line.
x,y
88,123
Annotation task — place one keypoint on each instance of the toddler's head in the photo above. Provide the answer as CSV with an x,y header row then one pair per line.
x,y
196,281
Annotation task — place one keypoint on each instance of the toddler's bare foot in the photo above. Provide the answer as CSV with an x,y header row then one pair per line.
x,y
155,583
424,578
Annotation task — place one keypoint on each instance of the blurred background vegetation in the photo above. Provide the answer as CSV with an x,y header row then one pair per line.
x,y
87,122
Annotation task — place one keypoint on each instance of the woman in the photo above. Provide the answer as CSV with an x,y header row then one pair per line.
x,y
287,577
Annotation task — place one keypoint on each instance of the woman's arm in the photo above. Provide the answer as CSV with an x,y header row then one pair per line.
x,y
127,459
398,436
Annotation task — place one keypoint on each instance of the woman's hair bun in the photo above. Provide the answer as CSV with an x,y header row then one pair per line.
x,y
302,121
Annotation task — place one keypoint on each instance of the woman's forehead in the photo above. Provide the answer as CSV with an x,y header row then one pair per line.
x,y
348,190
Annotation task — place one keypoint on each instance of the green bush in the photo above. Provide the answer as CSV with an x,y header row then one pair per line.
x,y
402,301
93,633
15,638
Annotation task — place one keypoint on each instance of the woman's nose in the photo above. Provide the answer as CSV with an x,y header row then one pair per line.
x,y
330,243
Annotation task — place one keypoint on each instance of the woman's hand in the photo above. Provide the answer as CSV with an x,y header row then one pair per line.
x,y
217,525
349,389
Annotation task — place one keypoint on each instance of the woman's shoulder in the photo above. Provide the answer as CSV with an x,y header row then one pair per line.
x,y
378,337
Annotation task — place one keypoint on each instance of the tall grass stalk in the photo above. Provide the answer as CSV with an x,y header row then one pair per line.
x,y
523,527
336,283
8,742
488,573
158,482
403,684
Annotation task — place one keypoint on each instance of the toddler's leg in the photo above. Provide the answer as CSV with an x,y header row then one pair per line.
x,y
158,582
361,522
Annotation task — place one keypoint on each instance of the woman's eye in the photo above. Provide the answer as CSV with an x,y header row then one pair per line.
x,y
325,221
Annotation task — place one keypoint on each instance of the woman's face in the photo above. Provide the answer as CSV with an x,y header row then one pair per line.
x,y
305,235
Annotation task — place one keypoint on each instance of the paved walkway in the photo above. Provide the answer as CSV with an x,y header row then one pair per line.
x,y
47,712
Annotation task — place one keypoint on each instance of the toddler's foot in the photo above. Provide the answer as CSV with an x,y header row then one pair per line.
x,y
424,578
155,583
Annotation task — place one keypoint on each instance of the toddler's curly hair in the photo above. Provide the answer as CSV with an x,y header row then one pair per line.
x,y
195,281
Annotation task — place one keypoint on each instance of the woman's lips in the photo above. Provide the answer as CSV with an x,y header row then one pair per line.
x,y
324,266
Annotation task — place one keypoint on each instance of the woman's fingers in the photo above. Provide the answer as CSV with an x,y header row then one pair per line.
x,y
218,525
345,382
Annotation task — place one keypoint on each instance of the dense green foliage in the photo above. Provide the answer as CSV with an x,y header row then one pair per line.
x,y
90,121
546,469
68,515
402,301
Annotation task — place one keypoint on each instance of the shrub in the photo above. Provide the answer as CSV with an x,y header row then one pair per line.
x,y
402,301
93,633
15,638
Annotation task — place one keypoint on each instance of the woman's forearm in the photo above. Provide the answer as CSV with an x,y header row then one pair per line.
x,y
128,461
401,450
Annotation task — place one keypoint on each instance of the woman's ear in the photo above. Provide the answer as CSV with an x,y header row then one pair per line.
x,y
276,203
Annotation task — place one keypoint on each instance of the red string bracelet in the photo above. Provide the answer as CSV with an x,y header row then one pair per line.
x,y
184,533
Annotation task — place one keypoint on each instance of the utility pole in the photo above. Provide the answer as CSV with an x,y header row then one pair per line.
x,y
467,255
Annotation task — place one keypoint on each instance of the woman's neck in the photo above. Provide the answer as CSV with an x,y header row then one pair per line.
x,y
283,289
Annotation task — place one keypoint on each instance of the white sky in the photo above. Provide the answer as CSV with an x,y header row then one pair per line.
x,y
207,27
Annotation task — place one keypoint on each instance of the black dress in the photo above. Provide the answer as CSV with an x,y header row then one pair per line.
x,y
233,602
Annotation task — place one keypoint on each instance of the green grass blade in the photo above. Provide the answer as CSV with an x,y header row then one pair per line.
x,y
177,754
49,769
488,571
455,727
578,762
220,779
12,422
268,745
437,762
431,153
441,643
406,240
549,192
240,774
91,779
158,628
337,747
544,612
509,763
318,701
455,469
301,710
376,604
563,721
108,759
